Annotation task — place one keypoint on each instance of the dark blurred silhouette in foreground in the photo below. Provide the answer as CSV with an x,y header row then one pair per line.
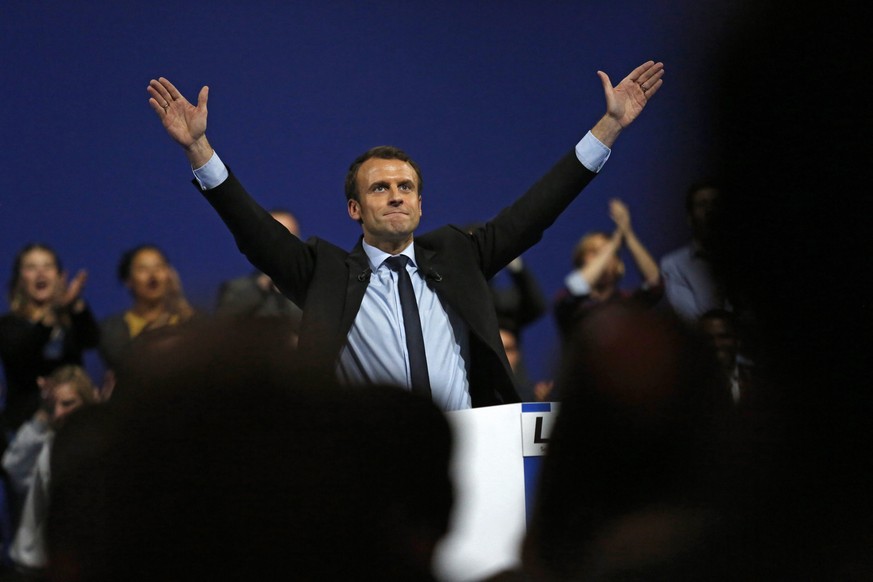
x,y
220,458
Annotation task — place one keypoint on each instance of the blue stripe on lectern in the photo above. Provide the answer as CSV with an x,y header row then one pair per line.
x,y
532,466
536,406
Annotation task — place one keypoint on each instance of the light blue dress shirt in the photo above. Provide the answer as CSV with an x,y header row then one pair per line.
x,y
376,349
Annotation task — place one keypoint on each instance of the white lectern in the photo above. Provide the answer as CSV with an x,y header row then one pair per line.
x,y
498,450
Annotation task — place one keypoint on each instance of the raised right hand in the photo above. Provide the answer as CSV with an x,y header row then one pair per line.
x,y
185,123
70,294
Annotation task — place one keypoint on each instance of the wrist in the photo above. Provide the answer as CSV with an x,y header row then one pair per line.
x,y
199,152
607,130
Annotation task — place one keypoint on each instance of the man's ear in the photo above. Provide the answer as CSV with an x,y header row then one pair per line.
x,y
354,210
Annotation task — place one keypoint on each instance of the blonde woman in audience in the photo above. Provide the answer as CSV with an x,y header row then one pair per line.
x,y
158,301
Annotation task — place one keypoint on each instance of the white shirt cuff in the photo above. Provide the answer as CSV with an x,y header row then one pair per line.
x,y
592,153
212,173
576,284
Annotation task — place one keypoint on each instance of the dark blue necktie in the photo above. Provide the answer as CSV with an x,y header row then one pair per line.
x,y
412,325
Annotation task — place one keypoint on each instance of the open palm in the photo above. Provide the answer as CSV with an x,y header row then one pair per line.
x,y
625,101
184,122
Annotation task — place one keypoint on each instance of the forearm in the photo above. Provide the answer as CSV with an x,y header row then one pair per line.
x,y
265,242
593,268
519,226
607,130
645,263
20,457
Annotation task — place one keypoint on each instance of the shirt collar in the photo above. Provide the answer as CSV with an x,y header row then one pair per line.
x,y
378,256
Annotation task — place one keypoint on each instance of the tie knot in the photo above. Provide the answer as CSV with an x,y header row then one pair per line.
x,y
397,263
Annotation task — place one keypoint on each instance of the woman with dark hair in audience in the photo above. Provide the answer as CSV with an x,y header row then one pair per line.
x,y
49,325
158,300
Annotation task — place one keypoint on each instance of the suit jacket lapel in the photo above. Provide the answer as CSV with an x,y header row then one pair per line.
x,y
424,259
358,267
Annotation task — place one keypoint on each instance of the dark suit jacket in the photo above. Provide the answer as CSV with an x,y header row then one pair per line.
x,y
329,282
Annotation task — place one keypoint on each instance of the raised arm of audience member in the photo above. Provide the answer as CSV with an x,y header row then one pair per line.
x,y
20,456
595,264
532,302
620,214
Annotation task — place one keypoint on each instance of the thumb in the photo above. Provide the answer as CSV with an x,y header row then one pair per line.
x,y
203,97
604,80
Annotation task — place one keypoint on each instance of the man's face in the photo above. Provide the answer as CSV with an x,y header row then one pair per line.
x,y
388,205
704,205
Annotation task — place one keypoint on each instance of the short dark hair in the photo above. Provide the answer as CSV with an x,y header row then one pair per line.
x,y
383,153
127,257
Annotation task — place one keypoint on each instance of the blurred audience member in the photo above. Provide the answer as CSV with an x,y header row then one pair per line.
x,y
28,463
255,294
598,272
719,327
543,390
690,282
63,391
632,487
49,325
158,300
511,344
222,457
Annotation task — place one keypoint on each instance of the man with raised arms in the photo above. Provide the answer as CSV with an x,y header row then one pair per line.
x,y
353,323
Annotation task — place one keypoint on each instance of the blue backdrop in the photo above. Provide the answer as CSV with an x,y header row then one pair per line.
x,y
484,95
